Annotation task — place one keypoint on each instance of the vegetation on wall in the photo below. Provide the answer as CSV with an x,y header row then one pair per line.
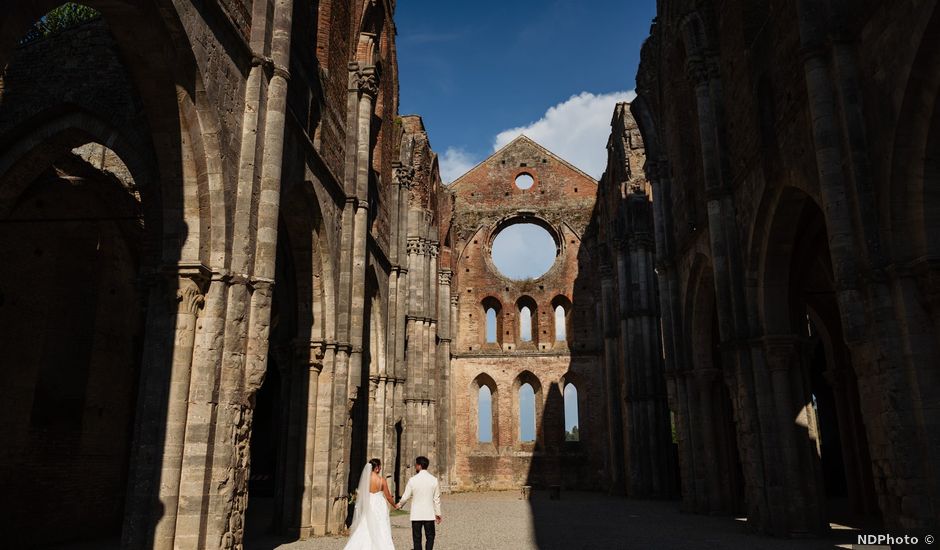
x,y
58,19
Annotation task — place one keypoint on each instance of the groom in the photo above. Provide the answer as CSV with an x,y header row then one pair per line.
x,y
426,508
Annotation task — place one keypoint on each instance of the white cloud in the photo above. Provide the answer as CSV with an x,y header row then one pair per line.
x,y
523,251
576,129
454,163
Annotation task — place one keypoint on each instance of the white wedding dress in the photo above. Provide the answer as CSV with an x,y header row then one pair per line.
x,y
371,528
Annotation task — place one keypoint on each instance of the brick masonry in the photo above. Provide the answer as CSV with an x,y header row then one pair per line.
x,y
486,200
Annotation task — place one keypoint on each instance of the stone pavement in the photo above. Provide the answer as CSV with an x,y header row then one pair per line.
x,y
496,520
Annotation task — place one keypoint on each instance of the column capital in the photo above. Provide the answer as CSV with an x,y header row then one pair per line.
x,y
367,81
414,245
189,296
191,280
444,276
405,176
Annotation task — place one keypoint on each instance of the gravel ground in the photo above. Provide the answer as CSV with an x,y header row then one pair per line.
x,y
497,520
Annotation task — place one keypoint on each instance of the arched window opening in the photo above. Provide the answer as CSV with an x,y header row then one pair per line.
x,y
571,414
560,329
491,325
526,413
484,415
561,307
525,324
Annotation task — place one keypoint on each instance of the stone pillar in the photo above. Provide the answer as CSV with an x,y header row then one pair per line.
x,y
310,370
877,346
367,84
687,449
158,334
616,441
705,382
320,485
443,393
697,438
413,353
202,412
643,357
658,174
781,355
431,392
340,441
728,268
452,401
189,295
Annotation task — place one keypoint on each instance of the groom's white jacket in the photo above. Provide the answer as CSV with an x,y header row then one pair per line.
x,y
427,496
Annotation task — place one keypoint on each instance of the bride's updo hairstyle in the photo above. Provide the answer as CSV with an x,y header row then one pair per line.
x,y
376,463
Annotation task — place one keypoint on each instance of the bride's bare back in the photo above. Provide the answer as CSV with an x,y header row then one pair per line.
x,y
378,484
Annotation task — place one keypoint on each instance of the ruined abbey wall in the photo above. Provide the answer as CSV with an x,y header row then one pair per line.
x,y
250,233
231,275
486,200
789,152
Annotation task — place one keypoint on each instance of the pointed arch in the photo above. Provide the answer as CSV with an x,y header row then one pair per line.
x,y
484,421
528,405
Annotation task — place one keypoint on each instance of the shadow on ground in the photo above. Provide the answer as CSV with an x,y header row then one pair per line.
x,y
592,521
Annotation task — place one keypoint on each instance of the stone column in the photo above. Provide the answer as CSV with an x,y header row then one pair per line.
x,y
149,419
612,380
311,369
878,346
413,352
189,295
629,364
340,442
431,392
686,447
659,176
367,83
781,354
727,263
443,393
697,438
202,411
705,382
452,402
320,486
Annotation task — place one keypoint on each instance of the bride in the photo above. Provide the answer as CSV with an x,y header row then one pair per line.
x,y
371,528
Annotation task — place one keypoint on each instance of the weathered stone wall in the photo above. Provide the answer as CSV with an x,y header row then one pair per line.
x,y
507,462
792,260
486,200
273,252
621,234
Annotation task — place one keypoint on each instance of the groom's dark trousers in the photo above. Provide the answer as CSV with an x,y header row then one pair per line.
x,y
428,532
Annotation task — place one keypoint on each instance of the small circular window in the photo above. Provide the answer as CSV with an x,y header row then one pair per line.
x,y
524,251
524,181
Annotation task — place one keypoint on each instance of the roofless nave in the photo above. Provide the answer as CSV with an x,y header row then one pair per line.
x,y
231,274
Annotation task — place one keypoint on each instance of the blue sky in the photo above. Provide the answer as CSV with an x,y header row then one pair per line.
x,y
526,412
524,251
481,72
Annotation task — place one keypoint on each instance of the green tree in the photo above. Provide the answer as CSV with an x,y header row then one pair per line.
x,y
58,19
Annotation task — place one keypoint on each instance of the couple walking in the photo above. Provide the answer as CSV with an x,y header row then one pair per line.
x,y
371,528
